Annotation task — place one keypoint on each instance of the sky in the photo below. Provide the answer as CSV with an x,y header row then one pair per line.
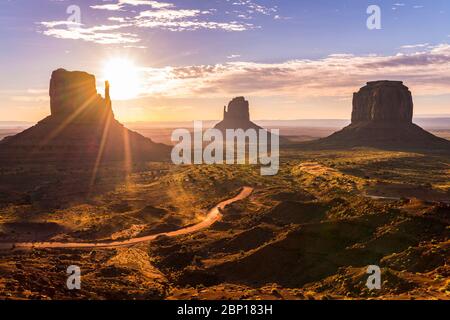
x,y
184,60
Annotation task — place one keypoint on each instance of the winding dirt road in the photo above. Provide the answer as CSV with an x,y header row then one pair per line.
x,y
213,216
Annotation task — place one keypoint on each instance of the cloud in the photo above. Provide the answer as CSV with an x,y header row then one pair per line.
x,y
31,95
415,46
168,14
174,19
121,4
182,20
102,34
337,75
149,14
251,7
135,47
43,98
395,6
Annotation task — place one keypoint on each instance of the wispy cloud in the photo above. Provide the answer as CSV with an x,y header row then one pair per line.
x,y
102,34
183,19
250,7
134,15
337,75
167,16
415,46
122,4
31,95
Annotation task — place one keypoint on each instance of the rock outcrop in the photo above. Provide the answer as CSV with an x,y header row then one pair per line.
x,y
238,110
237,116
388,101
382,117
74,94
81,127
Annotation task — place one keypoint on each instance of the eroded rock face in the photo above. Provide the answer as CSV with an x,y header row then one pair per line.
x,y
75,94
237,116
81,128
238,109
382,118
387,101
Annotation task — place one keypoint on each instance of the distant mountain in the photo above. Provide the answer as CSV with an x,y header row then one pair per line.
x,y
433,123
15,124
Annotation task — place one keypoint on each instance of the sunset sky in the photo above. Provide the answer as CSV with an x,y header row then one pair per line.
x,y
185,59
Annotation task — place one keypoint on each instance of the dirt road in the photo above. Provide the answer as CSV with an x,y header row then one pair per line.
x,y
213,216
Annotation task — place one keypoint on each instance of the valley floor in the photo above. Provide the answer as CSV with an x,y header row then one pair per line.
x,y
308,233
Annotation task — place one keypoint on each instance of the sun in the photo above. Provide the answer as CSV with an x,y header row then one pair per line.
x,y
123,77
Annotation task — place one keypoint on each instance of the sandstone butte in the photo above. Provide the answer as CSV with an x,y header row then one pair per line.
x,y
382,117
237,116
81,127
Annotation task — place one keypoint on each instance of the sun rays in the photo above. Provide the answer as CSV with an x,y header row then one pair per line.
x,y
124,77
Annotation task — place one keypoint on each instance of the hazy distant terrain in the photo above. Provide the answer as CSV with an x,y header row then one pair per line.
x,y
295,130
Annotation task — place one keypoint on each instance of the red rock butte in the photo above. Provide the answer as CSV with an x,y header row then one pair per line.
x,y
387,101
81,127
237,116
382,117
74,94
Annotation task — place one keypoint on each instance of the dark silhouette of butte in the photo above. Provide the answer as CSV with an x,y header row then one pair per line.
x,y
382,117
81,127
237,116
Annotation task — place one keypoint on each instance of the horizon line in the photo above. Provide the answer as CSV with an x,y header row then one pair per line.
x,y
425,116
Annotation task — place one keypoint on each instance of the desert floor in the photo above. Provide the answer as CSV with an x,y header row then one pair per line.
x,y
308,233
